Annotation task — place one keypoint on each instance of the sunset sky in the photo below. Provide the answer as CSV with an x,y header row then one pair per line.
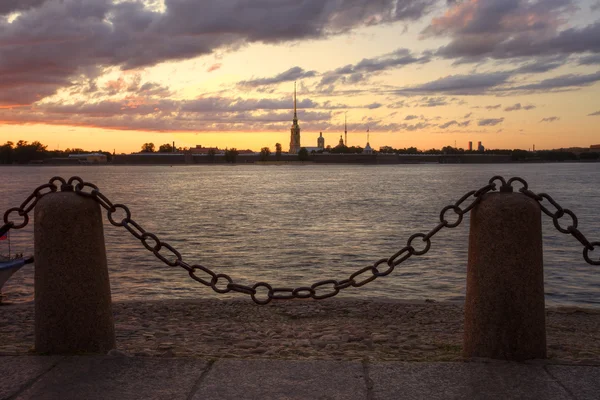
x,y
113,74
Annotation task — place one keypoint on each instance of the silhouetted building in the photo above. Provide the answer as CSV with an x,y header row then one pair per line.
x,y
295,130
367,149
470,146
204,150
321,141
480,147
89,158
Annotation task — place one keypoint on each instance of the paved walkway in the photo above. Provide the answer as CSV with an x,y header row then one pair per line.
x,y
123,378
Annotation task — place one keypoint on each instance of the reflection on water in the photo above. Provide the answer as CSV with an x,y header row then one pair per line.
x,y
295,225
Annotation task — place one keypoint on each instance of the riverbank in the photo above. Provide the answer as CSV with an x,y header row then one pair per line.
x,y
306,330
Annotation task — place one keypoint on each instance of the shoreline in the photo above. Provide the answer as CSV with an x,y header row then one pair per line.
x,y
334,329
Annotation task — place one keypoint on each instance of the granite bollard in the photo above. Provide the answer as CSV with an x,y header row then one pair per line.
x,y
73,312
504,305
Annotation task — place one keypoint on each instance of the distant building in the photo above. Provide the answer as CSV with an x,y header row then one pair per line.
x,y
341,143
470,146
595,146
310,149
367,149
204,150
321,141
89,158
480,147
295,130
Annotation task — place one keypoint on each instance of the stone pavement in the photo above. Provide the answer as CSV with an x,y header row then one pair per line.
x,y
123,378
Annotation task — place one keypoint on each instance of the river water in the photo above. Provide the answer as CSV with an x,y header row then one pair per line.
x,y
293,225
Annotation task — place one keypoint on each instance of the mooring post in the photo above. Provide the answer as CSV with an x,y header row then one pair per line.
x,y
504,306
73,312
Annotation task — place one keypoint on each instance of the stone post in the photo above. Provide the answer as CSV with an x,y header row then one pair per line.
x,y
73,312
504,306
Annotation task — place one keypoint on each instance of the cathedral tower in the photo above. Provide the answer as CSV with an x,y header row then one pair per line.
x,y
345,130
295,130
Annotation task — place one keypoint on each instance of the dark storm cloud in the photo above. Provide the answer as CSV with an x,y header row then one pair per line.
x,y
9,6
292,74
59,41
593,59
490,121
511,28
518,106
550,119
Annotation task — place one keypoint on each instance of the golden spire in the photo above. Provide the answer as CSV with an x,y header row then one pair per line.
x,y
295,116
345,129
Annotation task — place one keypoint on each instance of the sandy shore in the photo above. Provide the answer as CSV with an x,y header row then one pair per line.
x,y
331,329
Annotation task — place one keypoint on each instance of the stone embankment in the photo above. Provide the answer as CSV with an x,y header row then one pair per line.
x,y
306,330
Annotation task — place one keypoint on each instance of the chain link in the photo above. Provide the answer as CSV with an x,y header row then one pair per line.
x,y
263,293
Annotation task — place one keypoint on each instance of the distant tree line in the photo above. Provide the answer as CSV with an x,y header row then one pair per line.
x,y
516,154
24,152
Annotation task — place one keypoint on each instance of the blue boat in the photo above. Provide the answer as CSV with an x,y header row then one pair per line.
x,y
7,268
9,265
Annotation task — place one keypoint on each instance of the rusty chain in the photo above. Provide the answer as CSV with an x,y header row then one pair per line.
x,y
223,283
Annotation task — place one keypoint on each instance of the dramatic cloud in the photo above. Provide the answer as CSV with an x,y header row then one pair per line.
x,y
490,121
291,74
472,84
55,42
410,117
560,82
593,59
594,114
511,28
550,119
540,65
159,117
432,102
498,83
518,106
398,104
354,73
453,122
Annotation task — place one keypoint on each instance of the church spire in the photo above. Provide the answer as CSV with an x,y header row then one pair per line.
x,y
345,129
295,116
